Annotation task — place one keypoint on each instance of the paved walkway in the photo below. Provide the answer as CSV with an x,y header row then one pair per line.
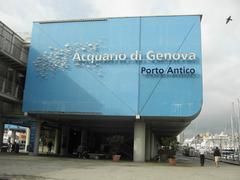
x,y
40,168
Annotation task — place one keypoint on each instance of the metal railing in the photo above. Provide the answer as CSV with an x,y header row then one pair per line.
x,y
12,44
11,88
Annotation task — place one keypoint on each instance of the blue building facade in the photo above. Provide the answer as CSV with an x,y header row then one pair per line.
x,y
147,68
110,67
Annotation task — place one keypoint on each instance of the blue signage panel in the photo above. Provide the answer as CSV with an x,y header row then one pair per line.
x,y
171,87
150,66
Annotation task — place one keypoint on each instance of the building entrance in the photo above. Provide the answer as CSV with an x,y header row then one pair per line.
x,y
100,145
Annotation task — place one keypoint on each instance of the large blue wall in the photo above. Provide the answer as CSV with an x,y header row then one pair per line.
x,y
55,83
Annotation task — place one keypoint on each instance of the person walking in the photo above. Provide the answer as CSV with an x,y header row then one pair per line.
x,y
217,156
202,156
50,145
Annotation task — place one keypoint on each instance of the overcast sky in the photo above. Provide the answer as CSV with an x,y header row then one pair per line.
x,y
220,42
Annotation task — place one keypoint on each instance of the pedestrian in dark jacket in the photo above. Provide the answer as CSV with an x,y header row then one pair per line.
x,y
217,156
50,145
202,155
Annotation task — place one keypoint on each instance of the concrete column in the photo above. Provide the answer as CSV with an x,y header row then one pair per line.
x,y
36,140
64,141
3,85
148,144
139,141
56,142
27,142
1,132
152,145
156,146
83,137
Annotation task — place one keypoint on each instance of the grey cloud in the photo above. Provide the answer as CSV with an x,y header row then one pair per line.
x,y
19,16
221,52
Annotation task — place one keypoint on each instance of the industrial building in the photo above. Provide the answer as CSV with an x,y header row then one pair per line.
x,y
113,85
13,61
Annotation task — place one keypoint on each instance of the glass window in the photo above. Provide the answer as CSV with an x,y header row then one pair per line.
x,y
9,82
17,47
1,84
3,71
7,35
1,28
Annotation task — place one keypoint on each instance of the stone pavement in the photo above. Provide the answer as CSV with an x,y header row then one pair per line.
x,y
22,167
